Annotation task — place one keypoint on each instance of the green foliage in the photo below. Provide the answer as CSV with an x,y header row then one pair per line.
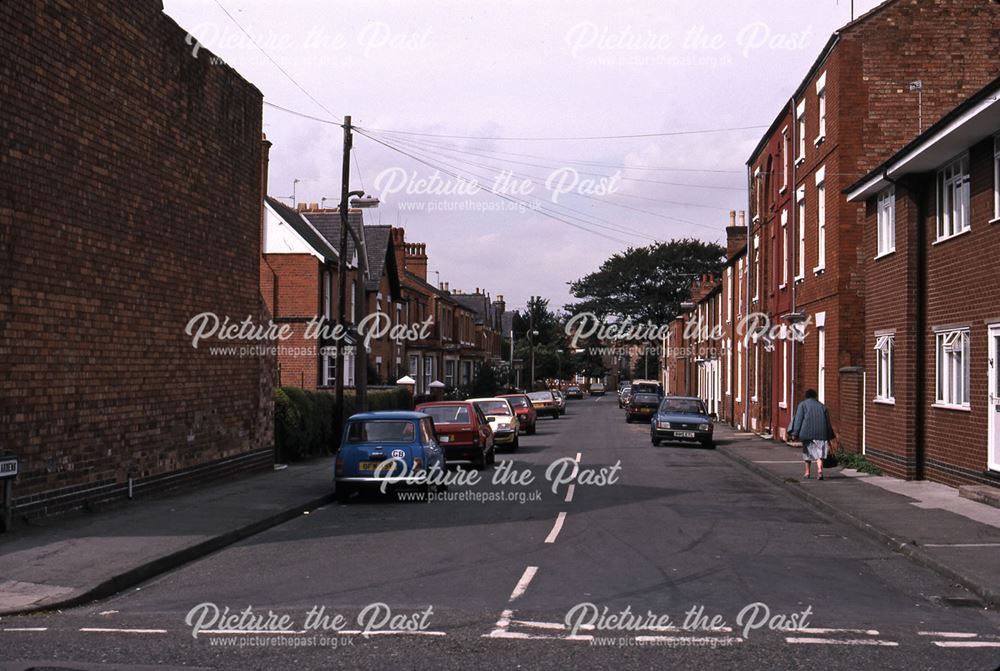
x,y
857,462
647,284
486,381
305,422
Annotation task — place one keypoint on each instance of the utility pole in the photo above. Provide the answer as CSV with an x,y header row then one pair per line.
x,y
345,188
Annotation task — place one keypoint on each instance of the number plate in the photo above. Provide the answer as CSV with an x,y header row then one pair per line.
x,y
372,465
445,439
684,434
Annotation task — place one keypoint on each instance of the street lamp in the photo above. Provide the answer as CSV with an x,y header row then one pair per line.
x,y
531,343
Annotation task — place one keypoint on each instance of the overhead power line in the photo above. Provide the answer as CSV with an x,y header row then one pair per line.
x,y
567,138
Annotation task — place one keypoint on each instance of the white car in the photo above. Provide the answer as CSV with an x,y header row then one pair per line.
x,y
502,419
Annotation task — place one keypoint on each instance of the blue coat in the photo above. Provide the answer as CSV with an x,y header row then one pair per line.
x,y
812,421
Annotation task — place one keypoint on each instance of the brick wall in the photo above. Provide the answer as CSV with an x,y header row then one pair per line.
x,y
130,196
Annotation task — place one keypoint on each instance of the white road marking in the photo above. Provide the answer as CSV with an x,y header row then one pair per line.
x,y
25,628
834,641
967,644
107,612
556,528
522,584
569,492
558,626
797,461
502,624
578,455
106,630
817,630
962,545
947,634
358,632
668,639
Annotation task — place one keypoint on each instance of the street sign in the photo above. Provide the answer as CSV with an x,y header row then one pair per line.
x,y
8,467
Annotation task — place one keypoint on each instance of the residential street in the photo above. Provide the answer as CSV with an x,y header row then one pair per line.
x,y
681,528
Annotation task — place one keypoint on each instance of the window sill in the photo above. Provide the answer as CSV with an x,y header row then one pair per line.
x,y
783,190
952,236
799,161
946,406
884,401
995,220
820,140
753,400
781,287
884,254
799,279
782,405
819,270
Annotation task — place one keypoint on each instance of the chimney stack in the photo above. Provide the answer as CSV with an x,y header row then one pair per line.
x,y
736,236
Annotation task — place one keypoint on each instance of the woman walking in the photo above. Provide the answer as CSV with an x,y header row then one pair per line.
x,y
812,426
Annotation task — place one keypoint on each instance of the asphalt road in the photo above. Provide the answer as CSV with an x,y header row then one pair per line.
x,y
674,531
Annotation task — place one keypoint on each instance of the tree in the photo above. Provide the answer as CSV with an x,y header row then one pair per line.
x,y
646,284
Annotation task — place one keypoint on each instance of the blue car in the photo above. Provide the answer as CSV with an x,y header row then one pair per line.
x,y
382,449
682,419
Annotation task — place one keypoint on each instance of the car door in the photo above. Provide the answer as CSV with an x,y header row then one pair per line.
x,y
434,455
485,431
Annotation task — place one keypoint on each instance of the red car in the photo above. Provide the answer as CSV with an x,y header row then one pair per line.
x,y
527,416
463,431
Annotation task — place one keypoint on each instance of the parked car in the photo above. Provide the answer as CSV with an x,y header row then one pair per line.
x,y
682,419
463,432
560,401
502,420
624,396
641,406
647,387
526,415
597,389
545,404
574,391
407,439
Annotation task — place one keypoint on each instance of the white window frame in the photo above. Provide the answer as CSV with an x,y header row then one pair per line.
x,y
756,268
354,301
349,361
953,196
885,218
450,372
885,354
820,221
783,403
800,204
821,356
729,368
329,370
996,178
739,369
786,158
758,193
428,371
800,123
952,369
756,372
729,294
784,249
821,99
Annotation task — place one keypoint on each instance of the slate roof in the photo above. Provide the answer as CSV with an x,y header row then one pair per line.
x,y
303,227
328,223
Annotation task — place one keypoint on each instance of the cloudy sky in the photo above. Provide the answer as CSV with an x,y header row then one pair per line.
x,y
460,99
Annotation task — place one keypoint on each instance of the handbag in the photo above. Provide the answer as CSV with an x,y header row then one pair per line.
x,y
830,460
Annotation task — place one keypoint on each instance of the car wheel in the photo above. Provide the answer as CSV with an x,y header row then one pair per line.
x,y
708,444
343,493
656,442
531,429
555,416
492,456
479,463
628,419
516,444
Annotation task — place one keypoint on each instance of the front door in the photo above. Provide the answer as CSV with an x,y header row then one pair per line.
x,y
993,456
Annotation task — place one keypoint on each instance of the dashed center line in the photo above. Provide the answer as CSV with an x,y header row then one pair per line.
x,y
522,584
839,641
569,492
556,528
108,630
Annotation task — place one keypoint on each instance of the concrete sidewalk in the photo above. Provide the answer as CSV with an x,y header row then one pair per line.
x,y
926,521
70,560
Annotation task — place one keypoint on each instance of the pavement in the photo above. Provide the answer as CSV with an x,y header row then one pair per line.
x,y
68,560
928,522
493,572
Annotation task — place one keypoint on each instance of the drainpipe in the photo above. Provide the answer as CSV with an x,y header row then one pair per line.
x,y
746,302
920,355
794,210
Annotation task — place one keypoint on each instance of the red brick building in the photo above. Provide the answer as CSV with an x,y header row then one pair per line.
x,y
130,201
854,108
932,333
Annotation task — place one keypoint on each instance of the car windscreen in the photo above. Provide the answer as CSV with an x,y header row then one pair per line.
x,y
381,431
645,389
573,389
448,414
494,407
683,406
540,396
645,398
518,401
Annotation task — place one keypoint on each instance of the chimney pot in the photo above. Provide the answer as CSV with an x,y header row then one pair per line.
x,y
732,217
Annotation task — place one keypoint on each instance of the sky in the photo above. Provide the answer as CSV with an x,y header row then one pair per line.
x,y
457,102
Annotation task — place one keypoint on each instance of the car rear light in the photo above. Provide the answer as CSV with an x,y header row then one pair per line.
x,y
418,464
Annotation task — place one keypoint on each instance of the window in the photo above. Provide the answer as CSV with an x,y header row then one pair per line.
x,y
953,198
739,288
729,368
784,248
729,294
821,97
953,368
415,367
786,158
800,119
800,199
758,193
349,354
327,294
996,178
449,373
739,368
329,370
354,306
756,371
428,371
884,349
887,221
821,356
756,268
820,220
784,373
